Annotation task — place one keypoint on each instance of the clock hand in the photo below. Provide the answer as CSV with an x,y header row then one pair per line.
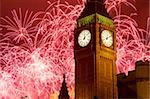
x,y
84,37
108,37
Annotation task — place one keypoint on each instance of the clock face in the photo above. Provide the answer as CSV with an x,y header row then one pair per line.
x,y
107,38
84,38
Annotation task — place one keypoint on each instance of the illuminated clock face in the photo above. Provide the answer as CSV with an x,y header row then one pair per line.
x,y
107,38
84,38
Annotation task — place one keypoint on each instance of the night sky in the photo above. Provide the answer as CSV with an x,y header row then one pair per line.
x,y
143,12
38,5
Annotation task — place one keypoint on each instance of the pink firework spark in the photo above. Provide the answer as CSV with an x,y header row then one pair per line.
x,y
132,42
6,85
39,54
115,5
21,26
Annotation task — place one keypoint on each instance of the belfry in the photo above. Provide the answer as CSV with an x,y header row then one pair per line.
x,y
95,53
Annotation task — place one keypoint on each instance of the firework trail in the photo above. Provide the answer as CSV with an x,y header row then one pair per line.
x,y
37,51
132,42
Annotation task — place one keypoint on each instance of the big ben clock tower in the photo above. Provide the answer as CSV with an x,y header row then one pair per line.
x,y
95,53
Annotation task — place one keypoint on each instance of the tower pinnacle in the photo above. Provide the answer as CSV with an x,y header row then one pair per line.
x,y
63,92
94,6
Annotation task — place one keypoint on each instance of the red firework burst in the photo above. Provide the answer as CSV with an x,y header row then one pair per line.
x,y
40,53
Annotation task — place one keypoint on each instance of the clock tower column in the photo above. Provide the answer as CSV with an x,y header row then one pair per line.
x,y
95,53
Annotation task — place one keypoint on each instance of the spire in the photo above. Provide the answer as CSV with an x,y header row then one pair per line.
x,y
63,92
94,6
